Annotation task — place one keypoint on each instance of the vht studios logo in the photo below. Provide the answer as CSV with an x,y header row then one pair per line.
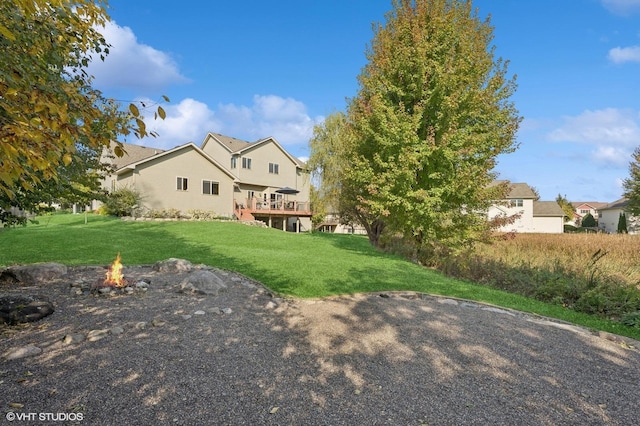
x,y
44,417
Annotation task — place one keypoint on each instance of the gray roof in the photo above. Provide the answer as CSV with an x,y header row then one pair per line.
x,y
133,154
232,144
547,208
618,204
521,190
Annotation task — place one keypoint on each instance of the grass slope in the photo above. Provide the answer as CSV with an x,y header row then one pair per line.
x,y
297,265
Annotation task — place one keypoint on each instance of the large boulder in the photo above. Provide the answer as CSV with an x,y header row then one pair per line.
x,y
173,266
33,274
16,309
202,282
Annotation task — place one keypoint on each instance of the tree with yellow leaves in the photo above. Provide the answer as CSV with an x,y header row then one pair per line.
x,y
47,103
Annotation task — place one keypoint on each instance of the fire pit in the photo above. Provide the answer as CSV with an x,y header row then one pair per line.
x,y
115,282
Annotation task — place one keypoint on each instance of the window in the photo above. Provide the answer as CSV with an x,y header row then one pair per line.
x,y
234,162
182,184
274,168
246,163
516,202
210,187
583,211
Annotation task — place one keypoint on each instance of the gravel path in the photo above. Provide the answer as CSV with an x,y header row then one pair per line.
x,y
244,357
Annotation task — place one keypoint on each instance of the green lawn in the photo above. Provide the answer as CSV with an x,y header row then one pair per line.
x,y
296,265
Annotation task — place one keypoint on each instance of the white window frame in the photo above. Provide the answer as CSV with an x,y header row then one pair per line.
x,y
234,162
182,183
274,168
246,163
211,184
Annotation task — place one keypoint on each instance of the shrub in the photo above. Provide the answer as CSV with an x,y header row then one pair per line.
x,y
196,214
588,221
632,319
122,201
164,214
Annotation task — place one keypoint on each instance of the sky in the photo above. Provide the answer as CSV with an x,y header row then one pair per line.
x,y
253,69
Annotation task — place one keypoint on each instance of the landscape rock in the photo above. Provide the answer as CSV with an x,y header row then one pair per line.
x,y
202,282
17,309
31,274
22,352
173,266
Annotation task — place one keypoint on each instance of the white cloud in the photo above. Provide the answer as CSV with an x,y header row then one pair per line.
x,y
131,64
622,7
189,121
285,119
613,132
611,156
620,55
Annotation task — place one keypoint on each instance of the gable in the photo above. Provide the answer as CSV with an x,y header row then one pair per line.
x,y
168,156
268,145
230,144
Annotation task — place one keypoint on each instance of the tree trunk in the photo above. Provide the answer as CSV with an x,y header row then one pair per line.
x,y
374,230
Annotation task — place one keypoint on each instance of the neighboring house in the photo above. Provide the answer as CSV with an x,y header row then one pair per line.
x,y
233,178
610,215
532,216
332,224
583,208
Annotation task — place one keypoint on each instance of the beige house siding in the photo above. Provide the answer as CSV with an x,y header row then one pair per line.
x,y
261,156
215,149
156,180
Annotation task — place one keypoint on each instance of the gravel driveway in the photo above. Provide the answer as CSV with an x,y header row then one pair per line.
x,y
245,357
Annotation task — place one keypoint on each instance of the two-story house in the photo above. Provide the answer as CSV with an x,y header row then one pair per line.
x,y
233,178
527,213
583,208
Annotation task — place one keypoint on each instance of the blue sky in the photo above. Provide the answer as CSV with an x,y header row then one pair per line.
x,y
253,69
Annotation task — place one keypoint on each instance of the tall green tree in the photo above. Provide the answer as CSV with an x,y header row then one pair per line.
x,y
622,223
631,185
47,103
431,116
566,207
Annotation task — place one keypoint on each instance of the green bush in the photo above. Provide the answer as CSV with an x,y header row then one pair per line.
x,y
122,201
588,221
632,319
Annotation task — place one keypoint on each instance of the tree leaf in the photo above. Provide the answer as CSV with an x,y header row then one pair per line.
x,y
134,110
162,113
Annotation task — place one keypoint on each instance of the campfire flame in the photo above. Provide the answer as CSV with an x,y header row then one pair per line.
x,y
114,274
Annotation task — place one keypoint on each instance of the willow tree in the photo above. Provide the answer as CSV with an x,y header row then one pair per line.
x,y
47,103
431,115
332,151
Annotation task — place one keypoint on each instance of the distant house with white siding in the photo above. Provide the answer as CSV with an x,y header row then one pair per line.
x,y
531,215
610,215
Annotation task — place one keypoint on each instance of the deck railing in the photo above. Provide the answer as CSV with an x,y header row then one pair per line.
x,y
283,207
